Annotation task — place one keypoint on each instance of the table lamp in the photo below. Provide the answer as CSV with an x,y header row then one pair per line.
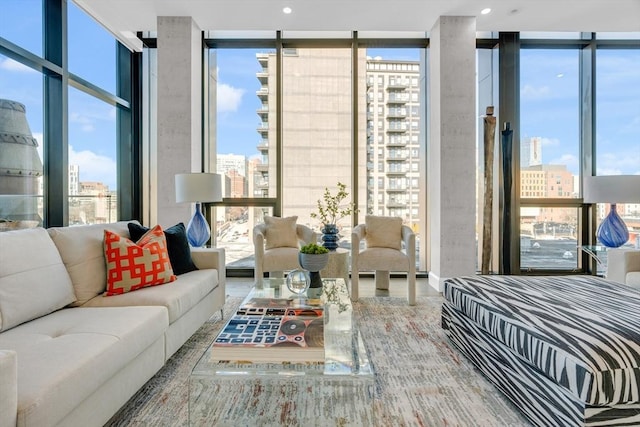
x,y
198,188
612,231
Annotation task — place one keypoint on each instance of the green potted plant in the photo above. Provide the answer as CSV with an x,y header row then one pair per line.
x,y
313,258
331,209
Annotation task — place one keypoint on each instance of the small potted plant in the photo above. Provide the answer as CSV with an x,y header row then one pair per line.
x,y
331,209
313,258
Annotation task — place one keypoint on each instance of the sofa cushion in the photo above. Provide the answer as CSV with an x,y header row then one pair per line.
x,y
383,232
33,279
66,356
280,232
132,266
178,297
82,252
177,246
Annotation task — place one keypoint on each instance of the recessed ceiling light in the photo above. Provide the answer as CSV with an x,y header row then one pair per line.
x,y
485,11
287,10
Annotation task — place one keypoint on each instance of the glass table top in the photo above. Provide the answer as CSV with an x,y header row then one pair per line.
x,y
345,353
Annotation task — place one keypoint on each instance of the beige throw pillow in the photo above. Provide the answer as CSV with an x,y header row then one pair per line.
x,y
281,232
383,232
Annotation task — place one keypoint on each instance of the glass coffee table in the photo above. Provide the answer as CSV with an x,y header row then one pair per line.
x,y
337,392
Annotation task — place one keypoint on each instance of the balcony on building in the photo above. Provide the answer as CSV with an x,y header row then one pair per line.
x,y
397,128
263,59
396,113
397,85
263,93
397,142
397,189
263,127
263,111
396,204
262,167
398,98
263,77
263,145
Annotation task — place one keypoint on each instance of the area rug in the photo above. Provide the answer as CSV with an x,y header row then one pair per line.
x,y
421,380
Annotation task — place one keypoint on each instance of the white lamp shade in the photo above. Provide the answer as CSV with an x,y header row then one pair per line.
x,y
198,187
612,189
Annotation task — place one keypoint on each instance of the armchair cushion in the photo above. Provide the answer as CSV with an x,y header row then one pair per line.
x,y
383,232
280,232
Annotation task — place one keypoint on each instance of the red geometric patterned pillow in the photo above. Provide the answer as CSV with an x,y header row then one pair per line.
x,y
132,266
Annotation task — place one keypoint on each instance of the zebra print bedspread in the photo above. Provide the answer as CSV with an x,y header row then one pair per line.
x,y
582,332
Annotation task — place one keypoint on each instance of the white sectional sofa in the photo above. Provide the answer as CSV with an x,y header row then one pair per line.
x,y
70,356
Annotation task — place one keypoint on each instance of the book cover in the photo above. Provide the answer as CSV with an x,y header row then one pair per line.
x,y
272,334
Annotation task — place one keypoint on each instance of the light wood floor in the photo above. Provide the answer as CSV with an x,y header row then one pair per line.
x,y
239,287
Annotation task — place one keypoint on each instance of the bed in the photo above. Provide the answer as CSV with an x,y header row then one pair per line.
x,y
564,349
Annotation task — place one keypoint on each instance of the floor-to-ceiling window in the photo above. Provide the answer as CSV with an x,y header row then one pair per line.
x,y
549,158
67,111
283,124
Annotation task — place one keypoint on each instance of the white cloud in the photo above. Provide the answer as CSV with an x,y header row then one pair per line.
x,y
608,171
94,167
86,123
11,65
229,98
530,92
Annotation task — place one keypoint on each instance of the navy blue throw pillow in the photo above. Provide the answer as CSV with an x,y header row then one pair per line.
x,y
177,246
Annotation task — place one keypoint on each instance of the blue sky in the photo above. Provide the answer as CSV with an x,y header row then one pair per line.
x,y
550,103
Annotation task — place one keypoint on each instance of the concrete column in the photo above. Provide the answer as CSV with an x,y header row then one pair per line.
x,y
451,152
179,116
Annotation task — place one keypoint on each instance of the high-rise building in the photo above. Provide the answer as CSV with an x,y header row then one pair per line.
x,y
531,152
393,129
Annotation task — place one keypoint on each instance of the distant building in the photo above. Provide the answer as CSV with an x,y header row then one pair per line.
x,y
229,162
531,152
74,180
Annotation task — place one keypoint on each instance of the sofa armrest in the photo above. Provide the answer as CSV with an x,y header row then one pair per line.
x,y
8,388
620,262
205,258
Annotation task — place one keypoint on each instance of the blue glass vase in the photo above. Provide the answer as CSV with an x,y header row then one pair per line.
x,y
612,231
198,229
330,236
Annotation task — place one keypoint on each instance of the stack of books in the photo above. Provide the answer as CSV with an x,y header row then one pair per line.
x,y
272,330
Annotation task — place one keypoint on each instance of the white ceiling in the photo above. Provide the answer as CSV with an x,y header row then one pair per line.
x,y
124,17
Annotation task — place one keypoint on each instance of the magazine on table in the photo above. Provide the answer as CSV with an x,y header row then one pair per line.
x,y
272,333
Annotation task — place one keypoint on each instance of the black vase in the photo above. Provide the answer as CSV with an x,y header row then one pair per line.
x,y
330,236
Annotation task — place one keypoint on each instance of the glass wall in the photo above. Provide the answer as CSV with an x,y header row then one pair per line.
x,y
549,157
617,138
93,198
242,122
72,131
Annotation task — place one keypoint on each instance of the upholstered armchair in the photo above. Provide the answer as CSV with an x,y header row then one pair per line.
x,y
390,246
276,244
623,266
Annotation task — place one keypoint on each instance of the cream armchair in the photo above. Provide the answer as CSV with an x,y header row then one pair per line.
x,y
623,266
390,246
276,244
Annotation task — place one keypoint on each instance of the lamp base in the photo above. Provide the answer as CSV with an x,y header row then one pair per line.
x,y
198,229
612,231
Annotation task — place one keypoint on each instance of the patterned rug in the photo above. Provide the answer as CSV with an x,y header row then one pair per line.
x,y
421,380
